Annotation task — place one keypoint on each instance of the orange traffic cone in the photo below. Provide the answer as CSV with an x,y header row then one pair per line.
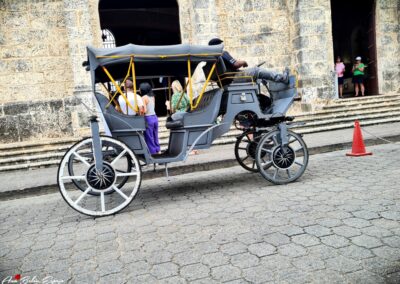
x,y
358,147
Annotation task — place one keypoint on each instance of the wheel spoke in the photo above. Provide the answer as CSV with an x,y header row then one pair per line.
x,y
298,149
276,173
73,177
120,192
81,158
103,204
266,150
275,140
127,174
298,163
254,163
288,173
266,165
118,157
291,141
242,148
82,195
245,158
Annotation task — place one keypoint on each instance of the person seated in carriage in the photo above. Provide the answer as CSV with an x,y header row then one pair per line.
x,y
234,65
131,97
151,133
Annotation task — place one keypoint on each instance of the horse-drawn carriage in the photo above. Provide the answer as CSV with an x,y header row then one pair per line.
x,y
101,175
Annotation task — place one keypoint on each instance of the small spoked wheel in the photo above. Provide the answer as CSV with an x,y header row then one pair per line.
x,y
245,150
281,165
99,192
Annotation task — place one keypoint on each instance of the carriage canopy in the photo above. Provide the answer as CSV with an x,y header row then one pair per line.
x,y
169,60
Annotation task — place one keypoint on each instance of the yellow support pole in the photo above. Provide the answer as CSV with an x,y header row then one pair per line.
x,y
134,84
118,88
204,86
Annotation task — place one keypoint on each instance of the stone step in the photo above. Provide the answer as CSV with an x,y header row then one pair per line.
x,y
365,99
352,112
358,102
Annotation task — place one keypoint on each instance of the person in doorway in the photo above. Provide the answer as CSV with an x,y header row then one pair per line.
x,y
151,133
132,109
233,64
340,68
358,76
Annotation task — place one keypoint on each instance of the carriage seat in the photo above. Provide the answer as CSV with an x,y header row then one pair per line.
x,y
117,121
205,113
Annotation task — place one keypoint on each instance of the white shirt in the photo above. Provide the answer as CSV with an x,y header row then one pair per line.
x,y
131,99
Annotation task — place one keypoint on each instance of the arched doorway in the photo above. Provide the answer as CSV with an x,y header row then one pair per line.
x,y
150,22
353,30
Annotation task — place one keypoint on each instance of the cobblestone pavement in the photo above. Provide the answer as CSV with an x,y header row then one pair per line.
x,y
338,224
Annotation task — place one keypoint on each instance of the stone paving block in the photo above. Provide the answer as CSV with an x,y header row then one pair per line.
x,y
292,250
393,241
343,264
346,231
308,263
366,241
261,249
257,274
225,273
245,260
386,252
305,240
276,239
355,252
233,248
364,277
335,241
164,270
365,214
194,271
215,259
317,230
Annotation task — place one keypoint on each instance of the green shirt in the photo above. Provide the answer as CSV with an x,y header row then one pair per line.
x,y
358,71
183,104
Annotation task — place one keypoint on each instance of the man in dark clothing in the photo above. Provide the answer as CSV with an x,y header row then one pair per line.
x,y
256,72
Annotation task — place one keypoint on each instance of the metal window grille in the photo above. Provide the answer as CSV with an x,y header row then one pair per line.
x,y
108,39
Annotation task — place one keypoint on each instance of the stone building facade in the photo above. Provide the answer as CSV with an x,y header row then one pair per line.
x,y
42,46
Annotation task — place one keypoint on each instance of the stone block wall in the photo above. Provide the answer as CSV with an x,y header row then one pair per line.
x,y
34,62
42,46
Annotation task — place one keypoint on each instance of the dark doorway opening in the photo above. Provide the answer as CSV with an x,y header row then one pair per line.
x,y
353,30
150,22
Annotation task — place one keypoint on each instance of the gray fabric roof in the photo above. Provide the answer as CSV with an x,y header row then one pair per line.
x,y
149,60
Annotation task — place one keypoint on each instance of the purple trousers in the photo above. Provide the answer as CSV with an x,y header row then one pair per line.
x,y
151,134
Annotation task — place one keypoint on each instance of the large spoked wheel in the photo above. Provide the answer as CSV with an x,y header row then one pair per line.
x,y
278,166
245,150
109,153
99,193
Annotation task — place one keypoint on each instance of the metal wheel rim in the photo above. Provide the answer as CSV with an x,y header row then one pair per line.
x,y
75,204
238,148
270,170
83,188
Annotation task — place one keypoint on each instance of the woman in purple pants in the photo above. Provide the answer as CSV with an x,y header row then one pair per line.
x,y
151,133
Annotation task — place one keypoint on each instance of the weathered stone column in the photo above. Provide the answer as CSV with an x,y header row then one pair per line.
x,y
313,48
388,45
78,20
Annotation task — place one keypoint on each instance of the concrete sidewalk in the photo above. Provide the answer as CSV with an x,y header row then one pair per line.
x,y
27,182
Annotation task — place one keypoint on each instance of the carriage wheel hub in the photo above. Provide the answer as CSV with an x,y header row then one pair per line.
x,y
283,160
101,179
